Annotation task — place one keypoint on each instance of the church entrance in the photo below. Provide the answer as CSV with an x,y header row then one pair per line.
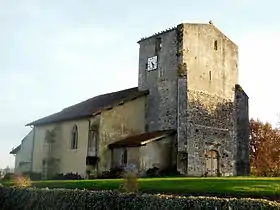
x,y
212,163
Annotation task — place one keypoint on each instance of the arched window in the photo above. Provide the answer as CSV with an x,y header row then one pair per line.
x,y
74,138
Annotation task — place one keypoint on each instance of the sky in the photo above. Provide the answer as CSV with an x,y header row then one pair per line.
x,y
57,53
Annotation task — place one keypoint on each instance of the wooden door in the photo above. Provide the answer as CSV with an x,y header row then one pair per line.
x,y
212,163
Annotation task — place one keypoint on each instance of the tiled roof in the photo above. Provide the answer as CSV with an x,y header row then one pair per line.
x,y
139,139
91,106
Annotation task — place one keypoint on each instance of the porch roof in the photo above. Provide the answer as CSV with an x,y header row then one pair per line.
x,y
141,139
16,150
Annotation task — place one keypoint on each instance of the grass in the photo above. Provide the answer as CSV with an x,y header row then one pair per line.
x,y
222,186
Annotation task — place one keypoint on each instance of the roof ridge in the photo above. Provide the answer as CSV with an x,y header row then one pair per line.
x,y
157,33
103,94
91,106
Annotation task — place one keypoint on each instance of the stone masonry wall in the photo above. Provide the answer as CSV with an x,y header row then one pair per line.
x,y
211,127
193,90
182,100
161,109
210,65
210,110
242,120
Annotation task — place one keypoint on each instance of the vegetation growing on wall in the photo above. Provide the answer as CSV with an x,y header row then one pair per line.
x,y
50,161
182,70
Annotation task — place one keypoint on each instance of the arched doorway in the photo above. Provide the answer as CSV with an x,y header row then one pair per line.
x,y
212,163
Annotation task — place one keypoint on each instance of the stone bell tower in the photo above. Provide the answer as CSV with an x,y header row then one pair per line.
x,y
191,72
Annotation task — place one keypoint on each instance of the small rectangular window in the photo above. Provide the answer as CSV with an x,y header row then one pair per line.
x,y
215,45
210,75
74,140
158,44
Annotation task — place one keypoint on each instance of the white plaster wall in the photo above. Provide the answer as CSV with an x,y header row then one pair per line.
x,y
156,154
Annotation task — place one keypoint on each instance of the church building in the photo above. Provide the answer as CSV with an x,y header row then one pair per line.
x,y
188,112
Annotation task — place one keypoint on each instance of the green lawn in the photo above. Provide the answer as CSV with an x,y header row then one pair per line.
x,y
233,186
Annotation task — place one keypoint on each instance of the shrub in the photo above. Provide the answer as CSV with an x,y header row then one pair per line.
x,y
113,173
22,181
130,182
67,176
33,175
170,171
152,172
61,199
156,172
8,177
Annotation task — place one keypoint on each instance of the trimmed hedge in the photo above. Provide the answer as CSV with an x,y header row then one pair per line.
x,y
60,199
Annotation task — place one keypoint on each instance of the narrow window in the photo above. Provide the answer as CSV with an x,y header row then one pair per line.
x,y
74,139
158,45
215,45
210,75
92,143
124,157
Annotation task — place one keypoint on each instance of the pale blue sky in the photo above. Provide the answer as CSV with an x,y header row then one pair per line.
x,y
57,54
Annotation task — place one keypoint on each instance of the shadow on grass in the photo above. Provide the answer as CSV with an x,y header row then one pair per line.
x,y
226,187
222,187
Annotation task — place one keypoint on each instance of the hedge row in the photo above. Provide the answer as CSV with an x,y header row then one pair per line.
x,y
35,199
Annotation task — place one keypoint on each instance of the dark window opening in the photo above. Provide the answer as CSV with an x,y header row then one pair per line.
x,y
210,75
92,160
124,157
215,45
92,143
74,140
158,45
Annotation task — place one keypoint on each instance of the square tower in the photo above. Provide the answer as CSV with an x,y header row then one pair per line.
x,y
191,72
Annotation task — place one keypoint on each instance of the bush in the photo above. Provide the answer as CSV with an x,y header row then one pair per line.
x,y
171,171
114,173
67,176
130,182
22,181
153,172
60,199
156,172
8,177
33,175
